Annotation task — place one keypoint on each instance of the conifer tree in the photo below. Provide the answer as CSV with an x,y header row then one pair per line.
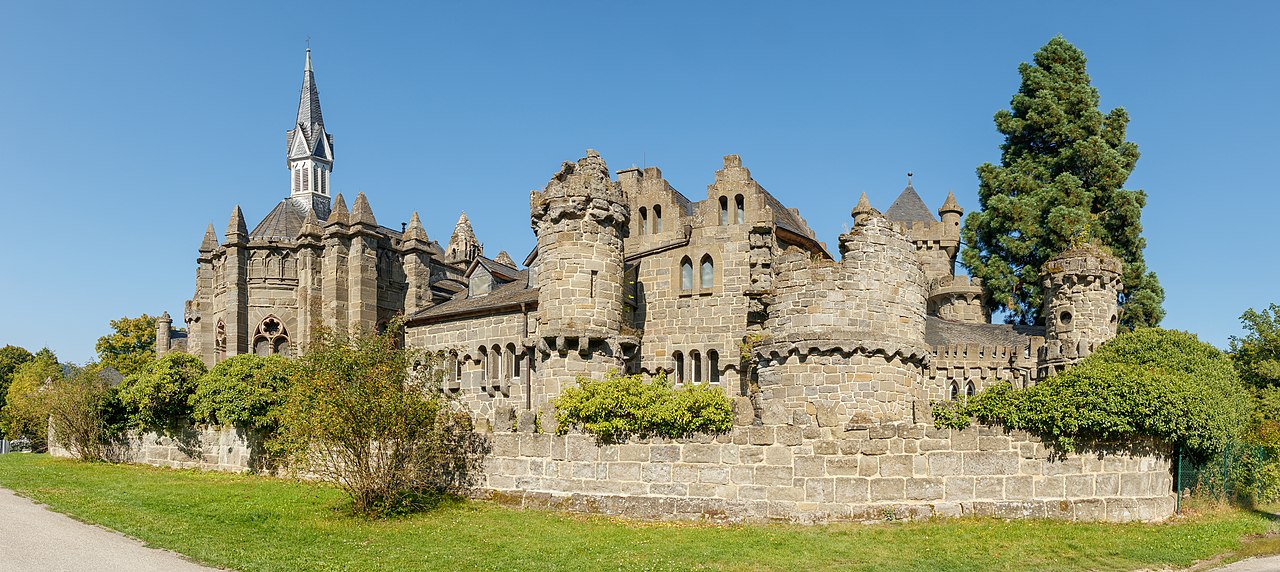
x,y
1060,183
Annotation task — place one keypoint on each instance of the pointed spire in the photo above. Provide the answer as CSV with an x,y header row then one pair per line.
x,y
237,231
361,212
950,205
504,258
339,213
309,102
310,223
463,244
862,210
415,230
210,242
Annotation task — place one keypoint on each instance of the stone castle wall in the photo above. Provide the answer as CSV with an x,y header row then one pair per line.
x,y
210,448
807,472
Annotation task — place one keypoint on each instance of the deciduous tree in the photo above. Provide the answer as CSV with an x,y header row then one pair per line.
x,y
131,345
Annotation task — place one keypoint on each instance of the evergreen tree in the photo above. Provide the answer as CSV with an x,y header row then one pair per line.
x,y
1059,184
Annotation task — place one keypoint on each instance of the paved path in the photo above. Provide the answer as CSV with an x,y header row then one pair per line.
x,y
1264,564
36,539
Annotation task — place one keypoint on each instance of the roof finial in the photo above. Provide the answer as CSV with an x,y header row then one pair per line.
x,y
308,68
909,173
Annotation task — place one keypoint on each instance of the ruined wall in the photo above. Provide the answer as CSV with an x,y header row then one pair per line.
x,y
806,471
481,390
211,448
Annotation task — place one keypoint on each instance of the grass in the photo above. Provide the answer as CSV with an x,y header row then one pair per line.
x,y
256,523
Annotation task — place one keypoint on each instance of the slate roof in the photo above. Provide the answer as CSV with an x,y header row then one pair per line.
x,y
502,297
283,222
785,217
939,332
909,208
497,269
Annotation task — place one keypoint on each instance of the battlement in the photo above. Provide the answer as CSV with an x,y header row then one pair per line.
x,y
954,285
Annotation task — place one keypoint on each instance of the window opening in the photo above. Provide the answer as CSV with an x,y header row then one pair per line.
x,y
679,357
739,206
724,211
686,274
713,365
708,277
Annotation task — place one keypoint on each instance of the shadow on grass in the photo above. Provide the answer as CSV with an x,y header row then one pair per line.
x,y
403,505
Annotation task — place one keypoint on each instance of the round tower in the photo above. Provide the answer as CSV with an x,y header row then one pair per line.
x,y
580,220
164,325
1081,290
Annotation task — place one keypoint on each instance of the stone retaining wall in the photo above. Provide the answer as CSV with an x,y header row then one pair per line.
x,y
225,449
818,474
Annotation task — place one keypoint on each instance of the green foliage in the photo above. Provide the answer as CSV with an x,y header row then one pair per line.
x,y
369,417
619,406
10,358
1155,383
131,346
1059,184
245,391
1257,354
158,398
86,415
25,413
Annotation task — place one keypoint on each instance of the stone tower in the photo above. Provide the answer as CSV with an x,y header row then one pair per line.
x,y
580,220
463,245
1081,289
164,325
310,149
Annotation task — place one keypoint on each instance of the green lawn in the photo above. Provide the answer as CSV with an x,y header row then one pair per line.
x,y
257,523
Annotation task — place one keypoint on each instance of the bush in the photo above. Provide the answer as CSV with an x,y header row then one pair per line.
x,y
1151,382
26,413
158,398
360,416
244,391
86,415
620,406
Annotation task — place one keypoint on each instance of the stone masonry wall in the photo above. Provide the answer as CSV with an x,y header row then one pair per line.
x,y
226,449
813,473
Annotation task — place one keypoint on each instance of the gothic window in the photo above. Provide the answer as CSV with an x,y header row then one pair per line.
x,y
324,181
686,274
220,341
955,391
657,219
297,179
708,273
644,221
713,365
695,360
496,373
969,390
724,211
306,182
739,209
515,361
679,357
271,338
484,364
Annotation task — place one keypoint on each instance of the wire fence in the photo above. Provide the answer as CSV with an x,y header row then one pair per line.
x,y
1242,472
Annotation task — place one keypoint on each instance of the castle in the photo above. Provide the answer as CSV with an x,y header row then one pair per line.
x,y
831,362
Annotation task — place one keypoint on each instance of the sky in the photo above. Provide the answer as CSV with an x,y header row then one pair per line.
x,y
126,128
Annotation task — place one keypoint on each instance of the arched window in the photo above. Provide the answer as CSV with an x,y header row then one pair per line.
x,y
724,211
969,390
686,274
644,221
955,391
496,373
484,364
739,209
457,368
271,338
515,361
297,179
679,357
695,360
657,219
306,181
708,273
713,365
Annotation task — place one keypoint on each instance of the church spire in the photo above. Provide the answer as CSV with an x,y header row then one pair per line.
x,y
463,245
310,149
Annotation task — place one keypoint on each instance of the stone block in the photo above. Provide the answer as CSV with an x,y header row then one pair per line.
x,y
753,492
1068,466
896,466
535,445
1088,510
664,453
669,489
912,431
966,440
887,489
504,418
826,447
761,435
788,435
826,414
655,472
1135,485
988,488
684,473
839,466
868,466
740,475
791,493
819,490
774,413
882,431
777,455
715,475
527,421
622,471
581,448
774,476
1049,487
958,488
751,454
699,453
851,489
944,464
744,414
935,444
991,463
809,466
924,489
504,445
635,453
1079,486
1019,488
994,443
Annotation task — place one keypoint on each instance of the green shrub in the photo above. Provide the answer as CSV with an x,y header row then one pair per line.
x,y
158,398
86,415
243,391
369,417
26,412
620,406
1151,382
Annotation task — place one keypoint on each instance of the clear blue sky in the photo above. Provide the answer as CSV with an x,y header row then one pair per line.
x,y
125,128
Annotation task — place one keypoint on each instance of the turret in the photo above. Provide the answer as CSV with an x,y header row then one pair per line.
x,y
1081,290
580,220
463,246
862,210
164,325
237,232
416,260
950,211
